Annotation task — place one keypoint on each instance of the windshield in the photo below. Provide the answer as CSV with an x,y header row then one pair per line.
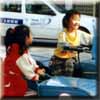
x,y
59,7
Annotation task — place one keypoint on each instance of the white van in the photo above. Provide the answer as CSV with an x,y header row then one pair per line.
x,y
42,16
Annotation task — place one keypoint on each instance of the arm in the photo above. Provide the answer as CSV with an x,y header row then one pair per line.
x,y
85,38
27,66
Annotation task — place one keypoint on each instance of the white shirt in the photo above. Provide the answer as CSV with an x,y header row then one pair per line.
x,y
27,65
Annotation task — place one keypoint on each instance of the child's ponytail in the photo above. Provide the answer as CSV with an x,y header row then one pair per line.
x,y
9,38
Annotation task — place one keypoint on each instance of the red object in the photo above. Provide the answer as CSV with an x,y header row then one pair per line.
x,y
36,69
14,83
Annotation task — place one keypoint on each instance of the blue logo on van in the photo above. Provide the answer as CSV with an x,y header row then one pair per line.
x,y
11,21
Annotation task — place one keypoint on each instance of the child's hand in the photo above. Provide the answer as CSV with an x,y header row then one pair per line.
x,y
41,71
36,77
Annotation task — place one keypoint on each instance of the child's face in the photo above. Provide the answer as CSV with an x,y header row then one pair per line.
x,y
74,21
29,39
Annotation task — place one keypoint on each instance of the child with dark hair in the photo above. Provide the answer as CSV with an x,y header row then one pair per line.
x,y
18,64
63,62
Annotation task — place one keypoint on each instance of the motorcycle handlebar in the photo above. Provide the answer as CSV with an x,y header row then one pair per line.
x,y
76,48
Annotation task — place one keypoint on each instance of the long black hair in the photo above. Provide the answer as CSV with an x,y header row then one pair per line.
x,y
67,16
17,35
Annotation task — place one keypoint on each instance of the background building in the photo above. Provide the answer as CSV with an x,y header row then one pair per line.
x,y
87,7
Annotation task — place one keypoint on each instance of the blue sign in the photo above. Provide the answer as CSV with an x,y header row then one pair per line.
x,y
11,21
